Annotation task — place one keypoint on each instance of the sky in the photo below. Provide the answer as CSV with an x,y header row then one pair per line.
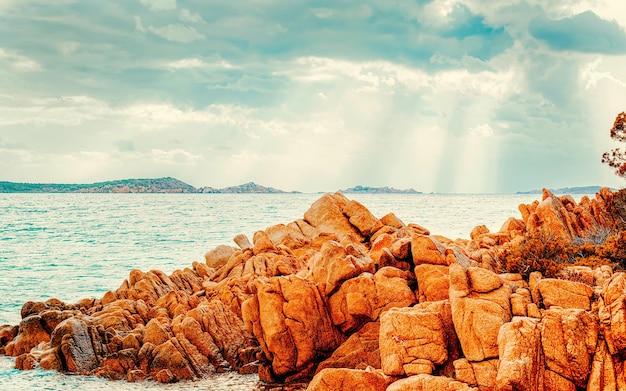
x,y
468,96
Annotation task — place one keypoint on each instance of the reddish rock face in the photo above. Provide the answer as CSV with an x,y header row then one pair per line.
x,y
521,366
411,339
478,314
363,303
341,379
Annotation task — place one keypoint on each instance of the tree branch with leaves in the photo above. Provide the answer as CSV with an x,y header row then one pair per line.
x,y
616,158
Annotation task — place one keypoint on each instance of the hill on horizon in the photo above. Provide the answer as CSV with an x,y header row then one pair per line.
x,y
139,185
378,190
567,190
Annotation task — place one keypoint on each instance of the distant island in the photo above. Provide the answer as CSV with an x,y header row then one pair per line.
x,y
567,190
378,190
247,188
142,185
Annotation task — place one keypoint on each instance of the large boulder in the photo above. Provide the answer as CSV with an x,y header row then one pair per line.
x,y
360,217
478,313
569,338
327,216
335,263
342,379
30,333
433,282
218,257
290,320
411,341
424,382
427,249
481,374
565,294
358,352
363,298
78,344
521,364
612,313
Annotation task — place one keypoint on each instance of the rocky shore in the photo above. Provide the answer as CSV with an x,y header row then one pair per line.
x,y
349,301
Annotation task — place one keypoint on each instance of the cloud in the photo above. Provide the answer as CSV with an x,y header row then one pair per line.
x,y
389,76
483,130
585,32
175,156
159,5
194,63
18,62
190,17
591,75
171,32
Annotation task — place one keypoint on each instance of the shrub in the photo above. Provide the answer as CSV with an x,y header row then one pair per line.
x,y
549,255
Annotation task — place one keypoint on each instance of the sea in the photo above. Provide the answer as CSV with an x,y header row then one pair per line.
x,y
75,246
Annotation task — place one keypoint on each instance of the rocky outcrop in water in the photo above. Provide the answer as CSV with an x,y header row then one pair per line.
x,y
352,301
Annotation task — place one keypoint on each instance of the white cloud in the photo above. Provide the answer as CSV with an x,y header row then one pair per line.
x,y
483,130
191,63
190,17
68,48
373,76
175,156
159,5
18,62
323,13
171,32
591,75
186,63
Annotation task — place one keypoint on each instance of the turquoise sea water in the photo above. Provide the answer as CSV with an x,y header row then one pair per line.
x,y
73,246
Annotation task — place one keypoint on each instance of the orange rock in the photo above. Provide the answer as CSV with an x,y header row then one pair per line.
x,y
7,333
418,229
358,352
478,316
296,327
401,248
478,231
336,263
433,282
427,249
519,302
408,335
326,216
80,352
31,332
602,375
554,382
392,220
218,257
481,374
262,243
341,379
360,217
513,224
242,241
429,383
287,235
521,366
482,280
566,294
612,313
168,357
569,338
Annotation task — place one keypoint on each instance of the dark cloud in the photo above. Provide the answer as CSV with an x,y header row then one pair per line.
x,y
585,32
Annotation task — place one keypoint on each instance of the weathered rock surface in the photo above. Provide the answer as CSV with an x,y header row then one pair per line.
x,y
478,312
356,303
341,379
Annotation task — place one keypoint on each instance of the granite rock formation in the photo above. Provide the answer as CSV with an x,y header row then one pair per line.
x,y
350,301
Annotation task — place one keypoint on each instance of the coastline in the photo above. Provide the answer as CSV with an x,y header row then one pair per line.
x,y
268,249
